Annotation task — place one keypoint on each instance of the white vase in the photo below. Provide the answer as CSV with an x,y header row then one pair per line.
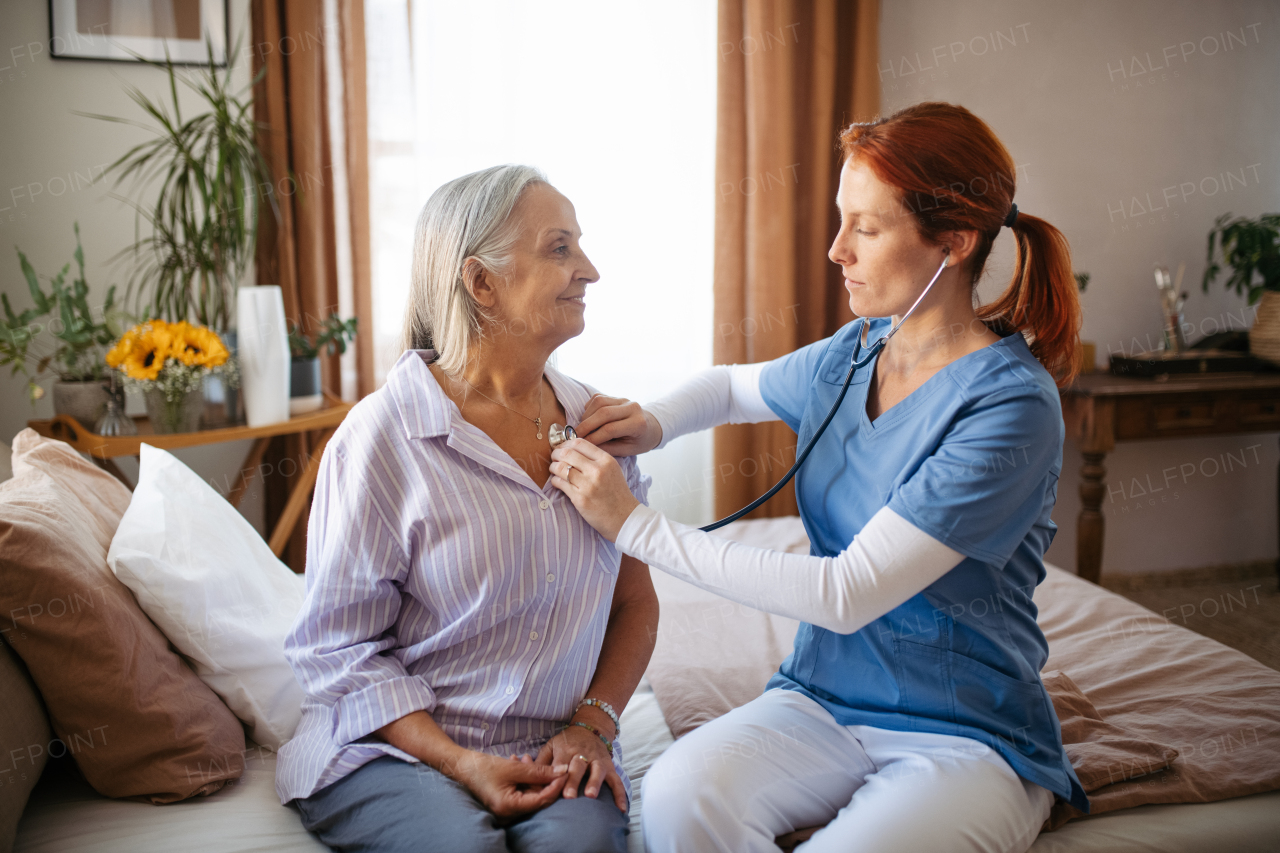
x,y
264,354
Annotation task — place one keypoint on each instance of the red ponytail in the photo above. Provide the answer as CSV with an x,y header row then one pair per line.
x,y
955,175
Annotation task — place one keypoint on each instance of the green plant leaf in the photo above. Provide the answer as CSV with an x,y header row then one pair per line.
x,y
33,285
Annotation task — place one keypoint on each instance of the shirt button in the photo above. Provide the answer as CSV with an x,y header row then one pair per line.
x,y
550,577
484,726
533,635
544,504
510,690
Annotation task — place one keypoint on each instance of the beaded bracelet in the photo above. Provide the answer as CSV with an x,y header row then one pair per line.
x,y
596,732
603,706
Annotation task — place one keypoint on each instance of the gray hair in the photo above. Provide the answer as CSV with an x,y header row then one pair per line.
x,y
467,218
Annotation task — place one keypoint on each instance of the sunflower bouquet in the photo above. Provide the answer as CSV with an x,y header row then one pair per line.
x,y
168,363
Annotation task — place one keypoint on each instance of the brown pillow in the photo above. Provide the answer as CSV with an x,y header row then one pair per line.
x,y
136,718
1165,684
1101,753
1154,679
24,743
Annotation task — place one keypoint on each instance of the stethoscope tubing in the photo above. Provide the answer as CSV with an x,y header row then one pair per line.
x,y
854,364
804,454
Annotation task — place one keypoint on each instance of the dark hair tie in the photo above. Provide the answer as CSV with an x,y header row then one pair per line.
x,y
1012,217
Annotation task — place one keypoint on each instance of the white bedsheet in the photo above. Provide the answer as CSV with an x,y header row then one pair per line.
x,y
66,816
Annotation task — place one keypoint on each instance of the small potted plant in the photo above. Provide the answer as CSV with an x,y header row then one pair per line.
x,y
334,334
168,363
63,335
1251,247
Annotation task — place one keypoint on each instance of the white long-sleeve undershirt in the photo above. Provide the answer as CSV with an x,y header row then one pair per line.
x,y
726,394
888,562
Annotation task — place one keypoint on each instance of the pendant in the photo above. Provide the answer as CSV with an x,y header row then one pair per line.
x,y
538,424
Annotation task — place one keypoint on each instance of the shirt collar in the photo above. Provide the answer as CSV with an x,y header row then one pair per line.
x,y
426,412
423,407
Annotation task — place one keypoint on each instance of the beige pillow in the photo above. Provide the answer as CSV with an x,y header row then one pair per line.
x,y
24,743
137,720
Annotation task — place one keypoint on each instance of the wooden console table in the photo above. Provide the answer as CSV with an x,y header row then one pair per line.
x,y
1100,409
103,449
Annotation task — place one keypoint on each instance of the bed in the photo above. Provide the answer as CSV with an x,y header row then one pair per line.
x,y
65,815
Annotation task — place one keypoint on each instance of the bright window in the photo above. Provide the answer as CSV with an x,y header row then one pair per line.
x,y
616,104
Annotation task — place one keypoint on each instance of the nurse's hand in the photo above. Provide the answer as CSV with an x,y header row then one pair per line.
x,y
595,483
619,426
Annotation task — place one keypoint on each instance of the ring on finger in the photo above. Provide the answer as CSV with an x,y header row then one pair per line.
x,y
584,759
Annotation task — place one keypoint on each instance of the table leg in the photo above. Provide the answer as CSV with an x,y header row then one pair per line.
x,y
298,497
1090,523
249,472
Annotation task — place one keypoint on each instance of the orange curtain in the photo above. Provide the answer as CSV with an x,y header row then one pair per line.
x,y
791,74
298,251
356,120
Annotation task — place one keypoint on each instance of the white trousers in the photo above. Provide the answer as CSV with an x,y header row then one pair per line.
x,y
782,762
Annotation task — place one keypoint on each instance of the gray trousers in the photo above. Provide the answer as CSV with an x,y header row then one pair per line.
x,y
392,806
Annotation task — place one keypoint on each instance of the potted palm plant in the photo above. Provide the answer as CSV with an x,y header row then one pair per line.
x,y
1251,247
63,335
334,334
210,180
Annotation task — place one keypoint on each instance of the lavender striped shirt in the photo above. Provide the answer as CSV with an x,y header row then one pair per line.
x,y
440,577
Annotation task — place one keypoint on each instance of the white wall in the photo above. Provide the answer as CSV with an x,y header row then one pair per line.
x,y
43,146
1103,104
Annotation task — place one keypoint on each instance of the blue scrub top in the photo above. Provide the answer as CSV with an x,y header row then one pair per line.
x,y
972,458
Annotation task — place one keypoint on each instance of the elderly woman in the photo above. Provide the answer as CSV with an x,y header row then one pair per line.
x,y
461,615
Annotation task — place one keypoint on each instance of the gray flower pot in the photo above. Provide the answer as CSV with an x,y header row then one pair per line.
x,y
305,394
84,401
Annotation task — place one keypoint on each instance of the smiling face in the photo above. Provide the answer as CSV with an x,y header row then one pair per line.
x,y
540,296
886,263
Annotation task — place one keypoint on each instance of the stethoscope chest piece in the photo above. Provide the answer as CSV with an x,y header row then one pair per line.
x,y
558,435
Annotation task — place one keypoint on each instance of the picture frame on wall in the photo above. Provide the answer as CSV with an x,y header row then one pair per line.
x,y
136,30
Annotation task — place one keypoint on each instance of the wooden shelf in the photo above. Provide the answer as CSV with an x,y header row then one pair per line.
x,y
105,448
68,429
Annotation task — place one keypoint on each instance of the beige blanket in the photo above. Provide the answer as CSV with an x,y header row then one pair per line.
x,y
1156,682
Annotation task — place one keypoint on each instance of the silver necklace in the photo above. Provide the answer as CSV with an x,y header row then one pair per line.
x,y
537,422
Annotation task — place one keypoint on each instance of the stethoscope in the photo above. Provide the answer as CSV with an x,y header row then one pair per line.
x,y
854,364
559,436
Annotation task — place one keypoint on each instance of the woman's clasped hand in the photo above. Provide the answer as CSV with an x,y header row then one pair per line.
x,y
522,784
507,787
588,761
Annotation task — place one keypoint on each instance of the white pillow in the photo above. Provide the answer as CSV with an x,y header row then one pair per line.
x,y
209,582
